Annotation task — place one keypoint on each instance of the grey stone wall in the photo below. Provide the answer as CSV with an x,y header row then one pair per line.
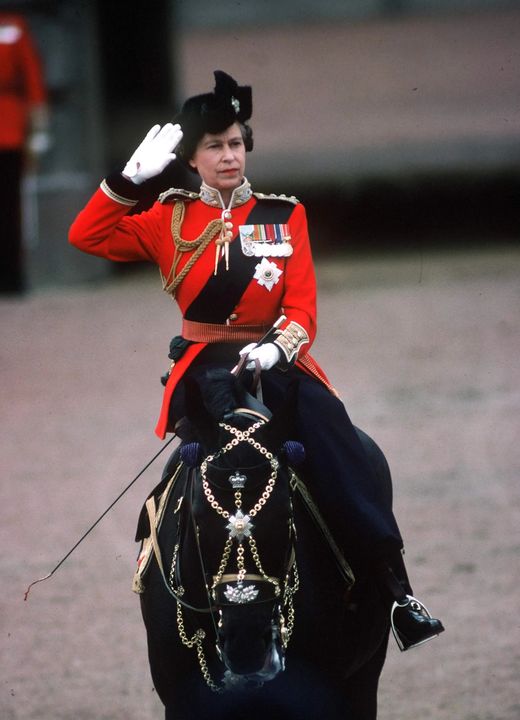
x,y
229,13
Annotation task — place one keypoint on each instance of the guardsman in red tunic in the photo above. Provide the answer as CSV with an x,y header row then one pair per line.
x,y
235,261
23,126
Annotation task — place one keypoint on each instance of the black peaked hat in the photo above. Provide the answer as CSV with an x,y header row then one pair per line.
x,y
214,112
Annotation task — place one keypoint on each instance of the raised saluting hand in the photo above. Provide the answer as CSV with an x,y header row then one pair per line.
x,y
154,153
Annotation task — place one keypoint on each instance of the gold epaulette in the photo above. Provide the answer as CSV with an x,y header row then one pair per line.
x,y
177,194
284,198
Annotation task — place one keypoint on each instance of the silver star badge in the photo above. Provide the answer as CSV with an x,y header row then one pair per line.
x,y
239,526
267,273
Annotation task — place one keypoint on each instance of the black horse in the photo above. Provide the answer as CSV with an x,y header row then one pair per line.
x,y
249,607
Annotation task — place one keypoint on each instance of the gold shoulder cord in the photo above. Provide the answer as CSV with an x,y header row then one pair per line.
x,y
172,281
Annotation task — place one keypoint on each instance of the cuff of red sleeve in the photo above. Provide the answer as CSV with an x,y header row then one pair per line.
x,y
290,341
122,190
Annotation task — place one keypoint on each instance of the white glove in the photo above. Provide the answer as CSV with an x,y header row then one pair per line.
x,y
154,153
267,354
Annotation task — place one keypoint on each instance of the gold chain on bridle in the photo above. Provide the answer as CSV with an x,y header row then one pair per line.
x,y
197,641
198,637
240,436
286,623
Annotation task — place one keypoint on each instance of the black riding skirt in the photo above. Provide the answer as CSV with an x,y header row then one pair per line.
x,y
336,468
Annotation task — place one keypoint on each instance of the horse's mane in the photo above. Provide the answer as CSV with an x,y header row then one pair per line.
x,y
221,391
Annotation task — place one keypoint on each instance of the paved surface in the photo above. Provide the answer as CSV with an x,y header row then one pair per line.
x,y
424,350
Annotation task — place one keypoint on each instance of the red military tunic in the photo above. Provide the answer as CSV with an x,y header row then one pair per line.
x,y
104,228
21,81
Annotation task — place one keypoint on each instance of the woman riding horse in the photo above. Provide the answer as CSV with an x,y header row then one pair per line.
x,y
236,261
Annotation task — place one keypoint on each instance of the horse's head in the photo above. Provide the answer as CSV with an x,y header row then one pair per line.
x,y
242,510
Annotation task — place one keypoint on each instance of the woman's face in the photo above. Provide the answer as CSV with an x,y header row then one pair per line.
x,y
220,159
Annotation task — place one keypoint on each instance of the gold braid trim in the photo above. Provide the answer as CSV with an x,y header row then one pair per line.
x,y
172,281
290,341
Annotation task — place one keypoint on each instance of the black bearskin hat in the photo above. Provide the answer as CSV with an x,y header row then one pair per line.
x,y
213,113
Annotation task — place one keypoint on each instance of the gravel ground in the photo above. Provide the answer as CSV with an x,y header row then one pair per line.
x,y
424,350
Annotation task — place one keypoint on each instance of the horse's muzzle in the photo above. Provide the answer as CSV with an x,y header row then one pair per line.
x,y
248,670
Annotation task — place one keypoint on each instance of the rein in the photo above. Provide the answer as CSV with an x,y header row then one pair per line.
x,y
150,508
343,566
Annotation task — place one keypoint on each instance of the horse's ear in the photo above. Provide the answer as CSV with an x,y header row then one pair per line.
x,y
283,423
203,422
